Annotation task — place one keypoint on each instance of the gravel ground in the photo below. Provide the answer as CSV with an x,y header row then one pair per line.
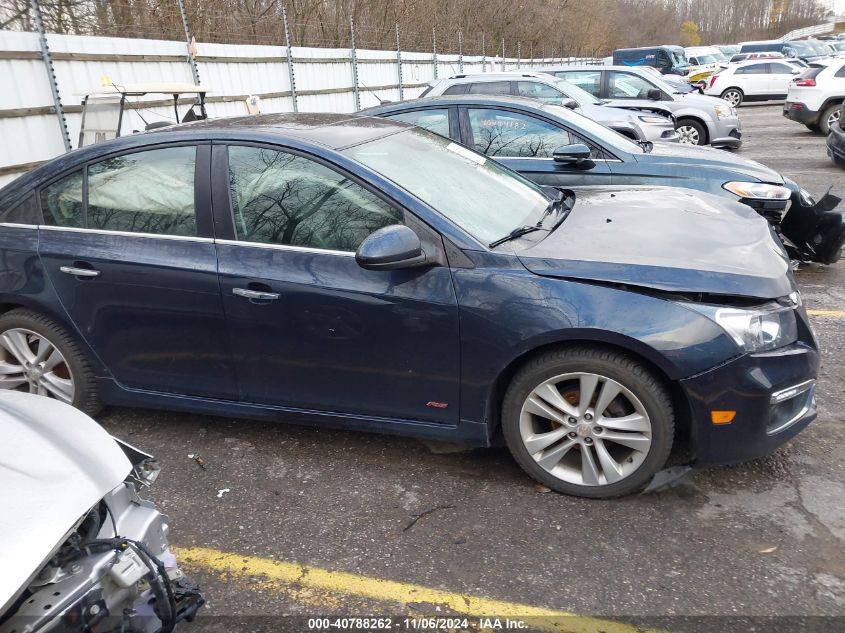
x,y
765,538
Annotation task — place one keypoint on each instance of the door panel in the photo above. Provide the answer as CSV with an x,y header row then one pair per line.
x,y
338,338
133,266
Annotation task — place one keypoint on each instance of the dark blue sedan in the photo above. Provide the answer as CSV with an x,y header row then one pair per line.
x,y
363,273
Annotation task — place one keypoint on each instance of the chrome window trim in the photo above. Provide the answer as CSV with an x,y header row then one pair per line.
x,y
76,229
285,247
595,160
15,225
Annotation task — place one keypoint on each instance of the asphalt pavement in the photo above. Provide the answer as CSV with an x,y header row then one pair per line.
x,y
762,539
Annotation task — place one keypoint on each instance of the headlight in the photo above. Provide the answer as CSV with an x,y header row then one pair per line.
x,y
654,119
807,199
754,329
725,111
758,190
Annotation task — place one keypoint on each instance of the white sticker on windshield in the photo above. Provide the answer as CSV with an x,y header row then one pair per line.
x,y
466,153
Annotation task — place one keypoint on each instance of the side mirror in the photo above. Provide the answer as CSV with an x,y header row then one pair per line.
x,y
654,94
569,103
576,153
391,248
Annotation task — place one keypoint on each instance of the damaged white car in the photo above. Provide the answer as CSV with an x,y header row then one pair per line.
x,y
81,551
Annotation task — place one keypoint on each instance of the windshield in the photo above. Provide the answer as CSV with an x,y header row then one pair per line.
x,y
481,196
802,48
707,59
678,58
608,137
574,92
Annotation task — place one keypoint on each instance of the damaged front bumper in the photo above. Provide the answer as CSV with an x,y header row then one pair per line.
x,y
813,231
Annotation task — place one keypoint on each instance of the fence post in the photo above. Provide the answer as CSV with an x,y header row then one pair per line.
x,y
434,50
504,67
289,55
460,51
399,65
51,74
188,37
483,54
518,55
355,92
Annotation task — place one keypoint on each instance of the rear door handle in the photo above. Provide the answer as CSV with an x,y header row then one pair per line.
x,y
80,272
255,294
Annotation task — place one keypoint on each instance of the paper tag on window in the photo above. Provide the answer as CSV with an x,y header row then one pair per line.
x,y
466,153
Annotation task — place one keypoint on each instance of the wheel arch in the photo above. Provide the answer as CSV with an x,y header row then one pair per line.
x,y
634,349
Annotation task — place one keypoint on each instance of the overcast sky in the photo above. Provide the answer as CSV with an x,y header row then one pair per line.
x,y
837,5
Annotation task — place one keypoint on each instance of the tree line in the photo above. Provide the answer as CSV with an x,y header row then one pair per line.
x,y
529,27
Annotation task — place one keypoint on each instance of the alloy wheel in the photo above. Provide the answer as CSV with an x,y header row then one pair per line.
x,y
30,362
834,117
688,135
733,97
585,429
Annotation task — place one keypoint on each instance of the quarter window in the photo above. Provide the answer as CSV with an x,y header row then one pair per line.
x,y
503,133
61,202
840,72
457,89
490,88
627,86
281,198
780,69
24,212
144,192
435,119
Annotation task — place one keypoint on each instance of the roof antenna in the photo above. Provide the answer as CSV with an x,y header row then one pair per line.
x,y
379,99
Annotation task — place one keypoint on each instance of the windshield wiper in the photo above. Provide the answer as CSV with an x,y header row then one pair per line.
x,y
519,231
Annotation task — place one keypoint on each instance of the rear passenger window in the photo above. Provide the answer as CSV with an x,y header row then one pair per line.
x,y
589,80
457,89
435,119
61,202
490,88
144,192
24,212
536,90
753,69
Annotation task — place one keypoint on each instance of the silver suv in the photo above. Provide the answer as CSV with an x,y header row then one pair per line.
x,y
702,120
654,123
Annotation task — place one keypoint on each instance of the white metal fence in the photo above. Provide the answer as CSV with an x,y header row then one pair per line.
x,y
324,81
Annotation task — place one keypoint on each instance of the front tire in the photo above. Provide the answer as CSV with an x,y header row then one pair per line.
x,y
588,422
734,96
39,356
691,132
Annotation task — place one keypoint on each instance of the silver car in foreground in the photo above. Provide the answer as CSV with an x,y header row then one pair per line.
x,y
652,123
81,551
702,120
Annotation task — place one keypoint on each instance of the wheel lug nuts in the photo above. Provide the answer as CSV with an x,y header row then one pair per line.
x,y
597,429
573,435
588,416
588,440
572,420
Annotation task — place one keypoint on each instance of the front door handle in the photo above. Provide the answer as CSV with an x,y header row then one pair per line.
x,y
80,272
255,294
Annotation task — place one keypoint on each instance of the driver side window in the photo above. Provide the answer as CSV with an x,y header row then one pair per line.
x,y
282,198
510,134
627,86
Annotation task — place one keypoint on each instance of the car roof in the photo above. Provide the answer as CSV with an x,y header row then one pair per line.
x,y
504,74
524,103
329,130
143,88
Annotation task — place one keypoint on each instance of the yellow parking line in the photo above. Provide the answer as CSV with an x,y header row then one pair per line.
x,y
380,590
832,313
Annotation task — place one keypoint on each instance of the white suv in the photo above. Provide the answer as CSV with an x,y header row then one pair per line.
x,y
755,80
816,96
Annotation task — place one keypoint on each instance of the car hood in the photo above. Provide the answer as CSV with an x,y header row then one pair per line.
x,y
709,157
666,239
697,100
606,114
55,464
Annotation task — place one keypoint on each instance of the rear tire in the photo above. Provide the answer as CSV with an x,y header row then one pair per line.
x,y
37,355
734,96
589,422
830,115
692,132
